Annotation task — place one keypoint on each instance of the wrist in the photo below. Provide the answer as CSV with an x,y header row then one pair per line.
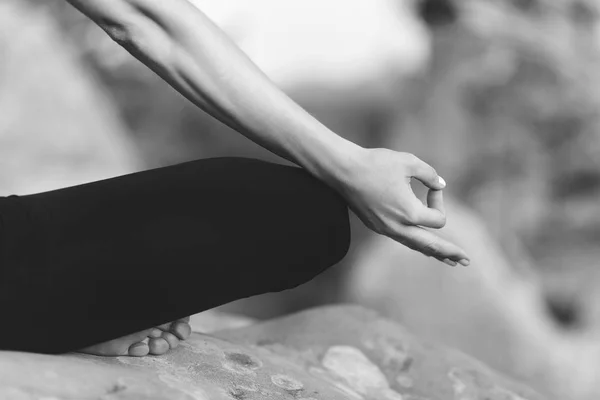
x,y
335,164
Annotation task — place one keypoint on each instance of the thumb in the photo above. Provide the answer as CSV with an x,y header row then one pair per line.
x,y
425,173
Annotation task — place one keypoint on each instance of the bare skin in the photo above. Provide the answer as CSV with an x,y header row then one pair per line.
x,y
155,341
185,48
181,45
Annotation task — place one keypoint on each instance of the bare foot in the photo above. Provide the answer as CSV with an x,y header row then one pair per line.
x,y
155,341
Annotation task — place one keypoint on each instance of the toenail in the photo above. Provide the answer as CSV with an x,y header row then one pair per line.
x,y
139,349
155,333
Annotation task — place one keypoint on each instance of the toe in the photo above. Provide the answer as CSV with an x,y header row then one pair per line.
x,y
139,349
158,346
181,329
116,347
155,333
171,339
165,327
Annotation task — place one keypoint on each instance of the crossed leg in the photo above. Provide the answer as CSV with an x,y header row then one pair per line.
x,y
122,257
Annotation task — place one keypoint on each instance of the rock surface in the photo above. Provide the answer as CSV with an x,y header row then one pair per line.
x,y
492,310
341,352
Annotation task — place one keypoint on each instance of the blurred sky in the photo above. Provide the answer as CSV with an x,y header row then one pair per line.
x,y
332,42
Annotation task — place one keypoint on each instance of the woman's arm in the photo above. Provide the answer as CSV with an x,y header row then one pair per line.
x,y
181,45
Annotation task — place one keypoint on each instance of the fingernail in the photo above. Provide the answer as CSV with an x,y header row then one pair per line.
x,y
465,262
450,262
442,181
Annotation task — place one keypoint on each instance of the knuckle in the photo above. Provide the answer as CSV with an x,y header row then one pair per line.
x,y
432,248
428,171
388,227
411,217
412,246
432,172
385,229
411,158
441,222
377,227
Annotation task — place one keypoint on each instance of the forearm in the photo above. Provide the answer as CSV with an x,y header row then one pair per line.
x,y
212,72
180,44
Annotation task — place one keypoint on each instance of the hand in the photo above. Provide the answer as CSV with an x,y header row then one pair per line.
x,y
377,188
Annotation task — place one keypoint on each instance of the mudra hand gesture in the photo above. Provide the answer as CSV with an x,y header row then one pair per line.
x,y
377,188
178,42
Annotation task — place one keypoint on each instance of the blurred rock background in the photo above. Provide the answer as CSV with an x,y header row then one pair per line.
x,y
502,97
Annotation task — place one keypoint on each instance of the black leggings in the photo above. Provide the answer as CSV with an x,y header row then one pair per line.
x,y
94,262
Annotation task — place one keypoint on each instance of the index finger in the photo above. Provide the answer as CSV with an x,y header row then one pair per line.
x,y
435,200
433,215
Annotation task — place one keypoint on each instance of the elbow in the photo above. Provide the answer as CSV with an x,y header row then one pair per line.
x,y
129,35
120,33
142,38
117,18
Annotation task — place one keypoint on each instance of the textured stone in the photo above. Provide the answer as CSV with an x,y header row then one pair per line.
x,y
342,352
492,310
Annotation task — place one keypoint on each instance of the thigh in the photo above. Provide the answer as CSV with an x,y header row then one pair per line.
x,y
112,257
